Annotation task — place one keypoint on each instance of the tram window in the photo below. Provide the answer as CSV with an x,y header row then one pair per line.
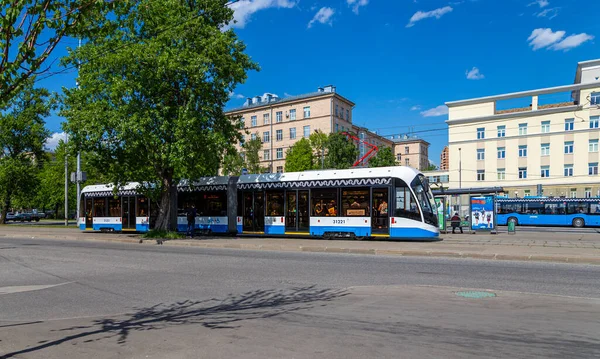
x,y
114,207
81,208
99,207
406,206
213,204
142,207
324,202
275,204
355,203
240,207
185,200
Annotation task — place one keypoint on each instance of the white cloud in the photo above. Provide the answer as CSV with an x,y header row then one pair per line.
x,y
540,3
323,16
236,95
355,4
54,139
474,74
541,38
546,38
571,42
285,94
420,15
415,108
441,110
244,9
549,13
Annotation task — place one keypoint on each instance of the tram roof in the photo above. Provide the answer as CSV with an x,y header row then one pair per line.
x,y
109,187
403,172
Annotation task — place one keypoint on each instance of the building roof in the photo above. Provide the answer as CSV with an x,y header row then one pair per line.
x,y
278,101
398,141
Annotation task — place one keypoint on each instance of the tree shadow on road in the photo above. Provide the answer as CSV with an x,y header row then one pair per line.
x,y
213,314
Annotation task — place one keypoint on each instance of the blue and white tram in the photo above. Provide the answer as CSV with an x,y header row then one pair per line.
x,y
388,202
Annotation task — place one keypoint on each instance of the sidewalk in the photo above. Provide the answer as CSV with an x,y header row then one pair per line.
x,y
525,246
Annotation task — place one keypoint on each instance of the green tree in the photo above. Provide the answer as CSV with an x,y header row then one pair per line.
x,y
341,152
23,48
431,167
233,163
22,137
318,142
300,157
383,158
152,94
251,154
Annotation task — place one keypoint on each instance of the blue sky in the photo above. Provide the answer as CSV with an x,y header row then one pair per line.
x,y
400,60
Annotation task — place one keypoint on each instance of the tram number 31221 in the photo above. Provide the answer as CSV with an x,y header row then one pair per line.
x,y
339,221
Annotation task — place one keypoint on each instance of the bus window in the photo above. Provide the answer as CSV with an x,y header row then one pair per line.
x,y
324,202
355,202
506,208
274,204
594,208
577,207
406,205
534,208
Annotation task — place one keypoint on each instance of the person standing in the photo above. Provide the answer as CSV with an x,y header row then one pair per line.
x,y
191,221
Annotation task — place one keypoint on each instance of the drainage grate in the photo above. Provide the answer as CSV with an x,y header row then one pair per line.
x,y
475,294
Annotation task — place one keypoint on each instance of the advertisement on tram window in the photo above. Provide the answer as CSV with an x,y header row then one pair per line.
x,y
482,212
440,205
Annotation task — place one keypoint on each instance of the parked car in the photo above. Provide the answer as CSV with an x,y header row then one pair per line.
x,y
10,217
24,217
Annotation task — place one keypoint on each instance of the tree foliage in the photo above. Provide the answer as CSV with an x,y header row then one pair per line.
x,y
251,154
152,93
383,158
319,141
300,157
431,167
341,152
233,163
22,137
30,30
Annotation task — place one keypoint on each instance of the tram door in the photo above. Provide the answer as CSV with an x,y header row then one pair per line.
x,y
303,210
291,216
89,207
379,215
128,215
248,212
259,211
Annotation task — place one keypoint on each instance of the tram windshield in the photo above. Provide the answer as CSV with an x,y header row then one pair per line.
x,y
424,196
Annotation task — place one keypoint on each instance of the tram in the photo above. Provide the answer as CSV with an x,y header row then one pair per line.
x,y
386,202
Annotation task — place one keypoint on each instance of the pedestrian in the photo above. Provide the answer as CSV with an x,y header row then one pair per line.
x,y
455,222
191,221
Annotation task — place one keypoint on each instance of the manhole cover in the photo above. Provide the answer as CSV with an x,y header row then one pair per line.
x,y
475,294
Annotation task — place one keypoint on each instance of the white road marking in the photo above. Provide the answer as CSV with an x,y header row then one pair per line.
x,y
27,288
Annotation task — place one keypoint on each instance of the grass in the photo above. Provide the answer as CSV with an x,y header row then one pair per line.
x,y
162,234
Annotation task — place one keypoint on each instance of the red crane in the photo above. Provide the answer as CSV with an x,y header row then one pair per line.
x,y
363,159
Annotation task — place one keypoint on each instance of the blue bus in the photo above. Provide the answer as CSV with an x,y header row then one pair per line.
x,y
576,212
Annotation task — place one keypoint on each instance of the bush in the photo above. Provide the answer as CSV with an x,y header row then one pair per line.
x,y
162,234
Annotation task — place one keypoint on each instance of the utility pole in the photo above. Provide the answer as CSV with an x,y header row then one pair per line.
x,y
459,168
78,175
66,182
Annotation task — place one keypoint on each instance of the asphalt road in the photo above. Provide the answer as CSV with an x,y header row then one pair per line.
x,y
101,300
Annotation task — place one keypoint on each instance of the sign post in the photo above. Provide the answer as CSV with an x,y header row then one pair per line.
x,y
482,213
440,205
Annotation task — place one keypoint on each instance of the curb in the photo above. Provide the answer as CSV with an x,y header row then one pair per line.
x,y
324,249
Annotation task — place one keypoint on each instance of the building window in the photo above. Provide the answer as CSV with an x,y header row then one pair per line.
x,y
279,135
545,149
573,192
569,147
293,133
347,115
480,133
307,112
522,129
588,192
279,116
481,175
337,127
593,168
266,155
593,146
398,157
266,119
545,171
266,137
480,154
522,172
279,169
501,174
595,98
306,130
523,151
545,126
501,131
407,161
594,121
253,136
292,114
336,111
253,121
279,153
501,152
406,150
568,171
569,124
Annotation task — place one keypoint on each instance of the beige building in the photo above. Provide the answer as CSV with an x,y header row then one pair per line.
x,y
281,122
444,159
552,140
411,152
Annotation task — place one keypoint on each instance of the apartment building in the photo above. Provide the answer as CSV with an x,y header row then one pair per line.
x,y
444,158
281,122
550,138
411,151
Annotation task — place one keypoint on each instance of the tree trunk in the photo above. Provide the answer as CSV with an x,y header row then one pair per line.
x,y
167,207
5,208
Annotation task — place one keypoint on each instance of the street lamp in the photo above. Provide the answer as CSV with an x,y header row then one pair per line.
x,y
459,168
